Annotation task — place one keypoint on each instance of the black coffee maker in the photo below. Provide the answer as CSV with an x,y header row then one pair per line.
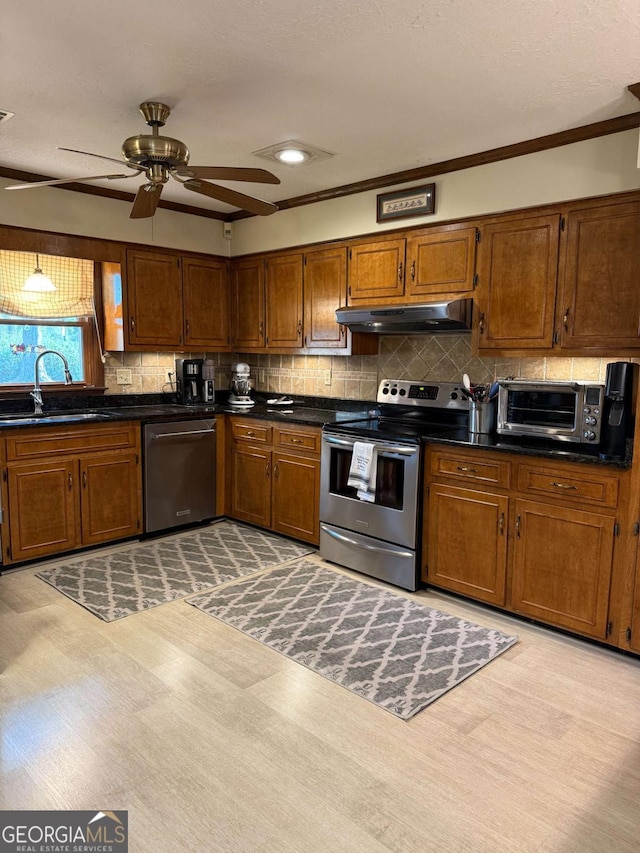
x,y
618,415
190,380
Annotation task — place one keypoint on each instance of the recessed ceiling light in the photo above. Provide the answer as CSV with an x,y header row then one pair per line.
x,y
291,155
293,152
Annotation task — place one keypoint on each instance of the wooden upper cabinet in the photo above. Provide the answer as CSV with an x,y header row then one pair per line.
x,y
517,269
325,290
283,297
441,261
205,294
154,299
600,285
247,303
376,271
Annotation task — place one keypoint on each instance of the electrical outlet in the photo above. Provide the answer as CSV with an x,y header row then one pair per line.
x,y
327,377
123,376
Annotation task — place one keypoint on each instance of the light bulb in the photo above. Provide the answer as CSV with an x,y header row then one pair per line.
x,y
38,282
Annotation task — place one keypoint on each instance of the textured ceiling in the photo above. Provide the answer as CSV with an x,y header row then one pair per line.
x,y
387,85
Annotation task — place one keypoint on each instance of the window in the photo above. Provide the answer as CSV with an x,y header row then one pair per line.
x,y
31,323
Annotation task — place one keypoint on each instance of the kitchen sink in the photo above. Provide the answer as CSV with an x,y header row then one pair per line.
x,y
68,418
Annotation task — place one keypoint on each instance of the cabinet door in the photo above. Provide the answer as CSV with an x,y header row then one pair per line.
x,y
562,566
110,497
205,292
634,636
325,290
517,269
600,301
441,260
467,542
284,301
43,516
251,484
247,307
376,271
296,496
154,300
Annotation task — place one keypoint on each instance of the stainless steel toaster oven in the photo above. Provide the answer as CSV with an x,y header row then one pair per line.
x,y
564,411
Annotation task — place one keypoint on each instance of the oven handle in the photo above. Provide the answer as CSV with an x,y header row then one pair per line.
x,y
363,545
381,448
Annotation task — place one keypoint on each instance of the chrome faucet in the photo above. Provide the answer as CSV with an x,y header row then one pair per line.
x,y
37,393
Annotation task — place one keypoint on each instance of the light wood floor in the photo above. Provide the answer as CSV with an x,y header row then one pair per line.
x,y
215,743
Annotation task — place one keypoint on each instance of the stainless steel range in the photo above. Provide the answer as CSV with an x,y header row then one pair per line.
x,y
381,536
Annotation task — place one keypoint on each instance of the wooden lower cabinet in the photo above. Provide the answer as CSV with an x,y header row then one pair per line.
x,y
109,497
562,561
43,512
251,489
536,537
275,477
71,487
468,542
296,488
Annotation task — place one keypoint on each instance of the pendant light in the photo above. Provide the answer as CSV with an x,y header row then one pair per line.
x,y
38,282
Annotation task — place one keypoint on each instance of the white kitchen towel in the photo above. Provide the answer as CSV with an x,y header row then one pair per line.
x,y
363,470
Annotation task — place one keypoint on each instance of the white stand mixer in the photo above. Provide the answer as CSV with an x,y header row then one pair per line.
x,y
240,387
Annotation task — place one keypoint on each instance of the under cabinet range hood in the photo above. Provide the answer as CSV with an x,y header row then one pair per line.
x,y
452,316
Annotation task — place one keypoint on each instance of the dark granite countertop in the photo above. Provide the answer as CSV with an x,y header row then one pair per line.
x,y
551,449
311,411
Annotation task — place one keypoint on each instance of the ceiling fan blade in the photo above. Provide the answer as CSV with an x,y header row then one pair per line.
x,y
53,183
146,201
228,173
246,202
101,156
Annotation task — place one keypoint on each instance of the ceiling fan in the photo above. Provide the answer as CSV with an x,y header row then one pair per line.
x,y
161,157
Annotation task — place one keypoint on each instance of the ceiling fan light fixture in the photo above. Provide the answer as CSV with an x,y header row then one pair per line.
x,y
38,282
293,152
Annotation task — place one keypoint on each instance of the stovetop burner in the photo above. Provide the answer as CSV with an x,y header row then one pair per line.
x,y
413,410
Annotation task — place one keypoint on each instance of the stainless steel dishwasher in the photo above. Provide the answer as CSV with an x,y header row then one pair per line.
x,y
179,473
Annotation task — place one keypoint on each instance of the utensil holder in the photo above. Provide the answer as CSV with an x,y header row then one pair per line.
x,y
482,416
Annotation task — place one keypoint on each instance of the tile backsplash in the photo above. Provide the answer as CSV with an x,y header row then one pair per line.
x,y
441,357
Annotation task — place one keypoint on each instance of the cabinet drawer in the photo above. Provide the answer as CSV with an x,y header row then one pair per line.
x,y
42,441
297,439
254,432
459,466
584,486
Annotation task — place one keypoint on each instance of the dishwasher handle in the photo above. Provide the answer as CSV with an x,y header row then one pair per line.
x,y
156,436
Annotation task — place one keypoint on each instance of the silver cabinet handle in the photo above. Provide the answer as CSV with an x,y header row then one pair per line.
x,y
467,470
501,524
563,486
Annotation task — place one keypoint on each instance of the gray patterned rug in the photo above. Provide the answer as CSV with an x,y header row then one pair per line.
x,y
143,575
387,648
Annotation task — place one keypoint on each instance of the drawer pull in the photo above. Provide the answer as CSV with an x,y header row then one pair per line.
x,y
467,470
563,485
295,440
250,434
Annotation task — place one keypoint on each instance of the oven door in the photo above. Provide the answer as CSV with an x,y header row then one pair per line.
x,y
393,515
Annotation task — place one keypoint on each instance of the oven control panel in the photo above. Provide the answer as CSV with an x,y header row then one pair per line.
x,y
440,395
